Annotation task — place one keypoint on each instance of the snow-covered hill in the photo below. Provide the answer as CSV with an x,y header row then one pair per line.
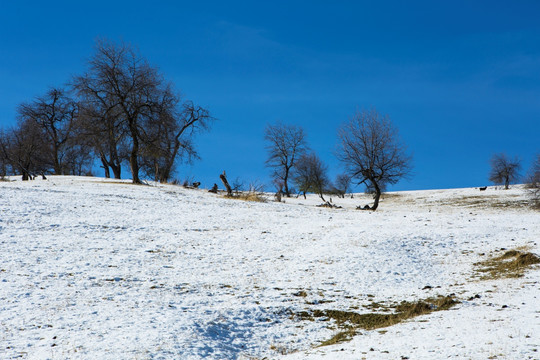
x,y
98,269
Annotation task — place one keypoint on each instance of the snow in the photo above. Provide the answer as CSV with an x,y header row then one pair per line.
x,y
101,269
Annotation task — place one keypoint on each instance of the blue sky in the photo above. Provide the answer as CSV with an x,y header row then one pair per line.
x,y
460,79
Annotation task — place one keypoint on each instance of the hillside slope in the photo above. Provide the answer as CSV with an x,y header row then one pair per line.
x,y
100,269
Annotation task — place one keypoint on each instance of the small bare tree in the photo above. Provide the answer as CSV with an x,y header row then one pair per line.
x,y
504,170
342,184
237,185
533,182
372,153
311,175
286,143
279,189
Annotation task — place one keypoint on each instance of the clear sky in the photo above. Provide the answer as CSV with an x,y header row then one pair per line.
x,y
460,79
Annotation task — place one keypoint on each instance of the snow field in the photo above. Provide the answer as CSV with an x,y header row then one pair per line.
x,y
101,269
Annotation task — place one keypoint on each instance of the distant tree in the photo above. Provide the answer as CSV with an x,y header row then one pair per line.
x,y
285,144
504,170
311,175
372,153
342,184
55,114
534,172
24,150
168,135
533,181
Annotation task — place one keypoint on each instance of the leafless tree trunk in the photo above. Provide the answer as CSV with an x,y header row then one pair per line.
x,y
223,178
133,157
371,152
105,167
100,122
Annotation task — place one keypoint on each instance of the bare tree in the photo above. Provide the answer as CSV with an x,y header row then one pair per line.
x,y
504,170
342,184
533,182
168,135
24,149
54,113
311,175
372,152
286,143
130,87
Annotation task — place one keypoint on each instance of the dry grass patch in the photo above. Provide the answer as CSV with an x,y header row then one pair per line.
x,y
511,264
250,196
256,196
349,322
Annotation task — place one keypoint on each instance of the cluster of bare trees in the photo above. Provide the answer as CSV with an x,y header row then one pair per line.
x,y
121,110
369,148
44,138
372,154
